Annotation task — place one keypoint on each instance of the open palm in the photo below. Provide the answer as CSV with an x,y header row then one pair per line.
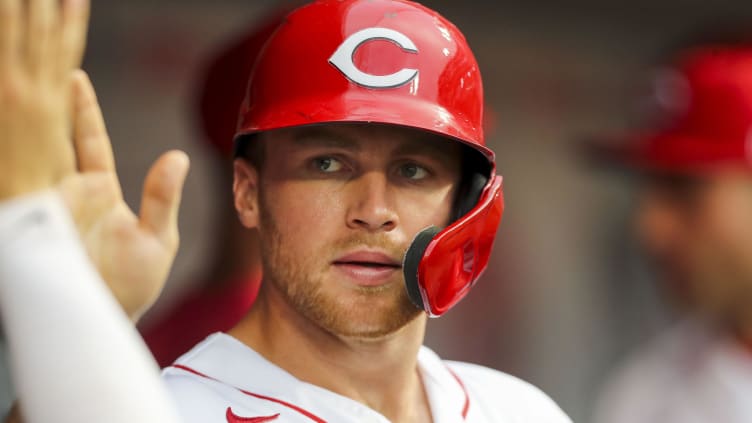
x,y
43,100
133,253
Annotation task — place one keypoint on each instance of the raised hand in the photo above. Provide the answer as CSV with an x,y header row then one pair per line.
x,y
52,136
132,253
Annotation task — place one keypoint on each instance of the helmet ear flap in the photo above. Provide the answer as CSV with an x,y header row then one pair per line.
x,y
468,198
441,265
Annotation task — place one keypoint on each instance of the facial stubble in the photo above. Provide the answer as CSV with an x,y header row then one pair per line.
x,y
306,282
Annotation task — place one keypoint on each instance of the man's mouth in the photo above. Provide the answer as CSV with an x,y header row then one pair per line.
x,y
367,268
367,264
369,259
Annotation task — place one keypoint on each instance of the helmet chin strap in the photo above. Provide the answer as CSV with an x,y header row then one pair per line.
x,y
410,264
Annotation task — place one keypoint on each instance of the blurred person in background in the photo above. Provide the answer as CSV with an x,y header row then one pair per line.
x,y
694,220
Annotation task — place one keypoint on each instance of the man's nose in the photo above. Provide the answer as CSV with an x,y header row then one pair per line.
x,y
371,206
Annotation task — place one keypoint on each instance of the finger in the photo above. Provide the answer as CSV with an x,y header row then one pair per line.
x,y
75,21
161,197
10,17
40,32
93,147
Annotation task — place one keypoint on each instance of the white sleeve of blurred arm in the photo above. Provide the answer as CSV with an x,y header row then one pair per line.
x,y
75,356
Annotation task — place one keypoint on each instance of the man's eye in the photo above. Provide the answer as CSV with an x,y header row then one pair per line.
x,y
327,164
412,171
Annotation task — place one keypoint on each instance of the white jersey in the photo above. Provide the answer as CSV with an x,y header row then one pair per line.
x,y
691,374
223,380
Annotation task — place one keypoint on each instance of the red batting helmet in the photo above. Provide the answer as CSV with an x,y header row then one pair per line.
x,y
706,100
388,62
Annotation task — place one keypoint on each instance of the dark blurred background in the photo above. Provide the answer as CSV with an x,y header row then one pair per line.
x,y
566,294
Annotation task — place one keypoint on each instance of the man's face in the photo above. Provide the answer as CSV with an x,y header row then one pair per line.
x,y
338,206
699,231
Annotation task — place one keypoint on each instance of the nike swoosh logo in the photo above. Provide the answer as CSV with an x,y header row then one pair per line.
x,y
234,418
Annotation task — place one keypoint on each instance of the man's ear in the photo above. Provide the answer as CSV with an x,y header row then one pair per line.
x,y
245,191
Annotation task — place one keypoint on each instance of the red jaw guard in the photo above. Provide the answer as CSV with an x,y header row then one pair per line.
x,y
441,266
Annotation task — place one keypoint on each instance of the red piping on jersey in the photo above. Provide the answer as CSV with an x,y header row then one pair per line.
x,y
233,418
464,390
263,397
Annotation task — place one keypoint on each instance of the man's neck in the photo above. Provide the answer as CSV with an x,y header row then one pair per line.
x,y
380,373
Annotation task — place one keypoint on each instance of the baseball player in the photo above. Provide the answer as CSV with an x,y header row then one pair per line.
x,y
361,162
694,219
75,355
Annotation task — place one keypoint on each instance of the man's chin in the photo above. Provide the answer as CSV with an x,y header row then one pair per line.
x,y
383,331
370,323
363,313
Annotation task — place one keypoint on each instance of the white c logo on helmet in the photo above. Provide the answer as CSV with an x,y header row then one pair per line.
x,y
342,59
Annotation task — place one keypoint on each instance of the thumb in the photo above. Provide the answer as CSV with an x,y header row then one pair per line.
x,y
161,197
